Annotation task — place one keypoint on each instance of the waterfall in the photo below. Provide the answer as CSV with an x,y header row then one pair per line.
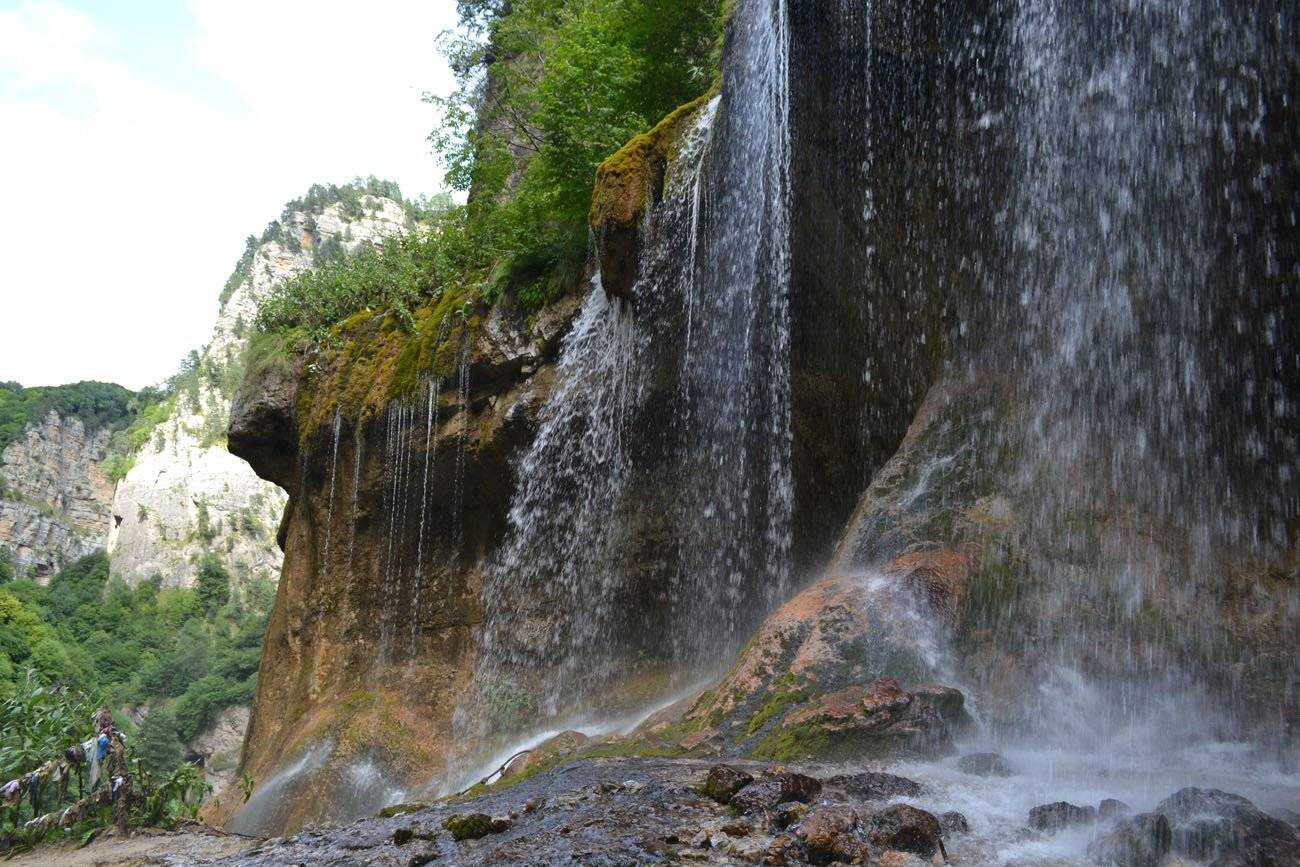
x,y
650,526
1128,449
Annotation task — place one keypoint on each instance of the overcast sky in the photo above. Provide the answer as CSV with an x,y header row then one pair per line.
x,y
142,140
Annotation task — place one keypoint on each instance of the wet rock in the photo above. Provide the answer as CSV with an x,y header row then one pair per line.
x,y
832,834
880,720
399,809
1111,808
953,822
724,781
948,701
1061,814
1227,829
563,744
1138,841
783,850
707,740
907,829
875,786
766,793
789,813
985,765
472,826
1291,817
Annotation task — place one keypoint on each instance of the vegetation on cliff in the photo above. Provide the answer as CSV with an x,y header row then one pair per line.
x,y
96,404
548,90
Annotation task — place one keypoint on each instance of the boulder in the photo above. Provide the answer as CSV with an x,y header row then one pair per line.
x,y
875,786
949,702
985,765
1138,841
832,834
1226,829
953,822
767,793
880,720
1062,814
907,829
724,781
1110,808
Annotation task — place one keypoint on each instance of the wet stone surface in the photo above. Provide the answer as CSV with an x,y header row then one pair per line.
x,y
608,812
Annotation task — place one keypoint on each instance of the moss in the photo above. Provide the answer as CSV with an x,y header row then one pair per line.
x,y
399,810
811,741
469,826
373,359
626,181
783,696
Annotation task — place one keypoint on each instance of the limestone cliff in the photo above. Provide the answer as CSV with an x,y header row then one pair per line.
x,y
57,506
186,494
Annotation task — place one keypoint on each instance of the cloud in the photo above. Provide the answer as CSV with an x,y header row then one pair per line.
x,y
130,189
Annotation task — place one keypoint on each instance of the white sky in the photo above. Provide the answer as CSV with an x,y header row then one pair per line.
x,y
142,140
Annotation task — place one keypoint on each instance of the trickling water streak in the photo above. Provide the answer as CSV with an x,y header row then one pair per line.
x,y
433,387
329,512
358,447
462,441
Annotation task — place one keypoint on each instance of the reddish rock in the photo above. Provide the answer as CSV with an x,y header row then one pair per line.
x,y
906,829
832,834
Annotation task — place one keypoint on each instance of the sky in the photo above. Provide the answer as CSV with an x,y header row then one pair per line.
x,y
141,141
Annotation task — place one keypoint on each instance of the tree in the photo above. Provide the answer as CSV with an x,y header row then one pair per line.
x,y
213,583
7,571
157,745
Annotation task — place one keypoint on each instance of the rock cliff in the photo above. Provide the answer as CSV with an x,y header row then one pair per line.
x,y
186,494
57,506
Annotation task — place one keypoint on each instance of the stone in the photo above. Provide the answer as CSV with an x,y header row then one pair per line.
x,y
1111,808
1061,814
768,792
1138,841
880,720
724,781
907,829
832,834
948,701
985,765
472,826
875,786
789,813
1227,829
953,822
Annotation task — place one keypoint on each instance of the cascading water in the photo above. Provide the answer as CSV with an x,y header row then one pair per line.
x,y
1115,215
651,521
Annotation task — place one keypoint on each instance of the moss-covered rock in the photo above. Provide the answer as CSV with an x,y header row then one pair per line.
x,y
472,826
627,184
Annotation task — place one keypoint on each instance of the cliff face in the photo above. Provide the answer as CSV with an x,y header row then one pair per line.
x,y
59,505
390,515
186,494
1033,445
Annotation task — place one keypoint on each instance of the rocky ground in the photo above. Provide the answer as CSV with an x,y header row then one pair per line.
x,y
645,810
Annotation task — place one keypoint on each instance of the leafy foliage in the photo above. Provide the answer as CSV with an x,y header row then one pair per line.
x,y
187,653
548,89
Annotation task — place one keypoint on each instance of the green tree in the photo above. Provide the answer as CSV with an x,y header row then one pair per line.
x,y
7,570
157,745
213,584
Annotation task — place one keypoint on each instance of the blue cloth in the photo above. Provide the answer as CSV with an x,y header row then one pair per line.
x,y
103,746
